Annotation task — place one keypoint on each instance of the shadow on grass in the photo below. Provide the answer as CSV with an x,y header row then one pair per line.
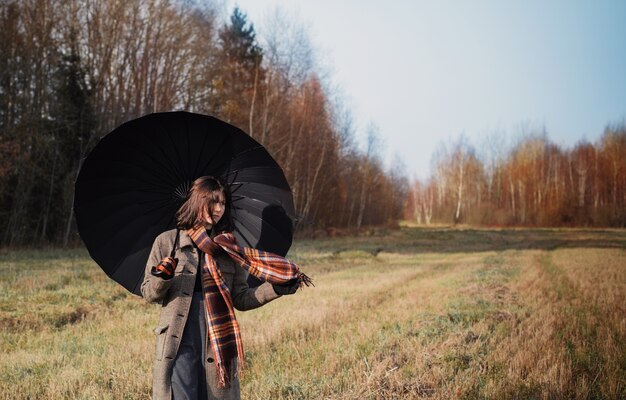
x,y
410,240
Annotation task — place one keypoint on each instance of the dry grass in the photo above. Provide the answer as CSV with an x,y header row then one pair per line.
x,y
413,313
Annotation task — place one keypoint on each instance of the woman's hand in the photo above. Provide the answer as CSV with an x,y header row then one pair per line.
x,y
287,288
165,269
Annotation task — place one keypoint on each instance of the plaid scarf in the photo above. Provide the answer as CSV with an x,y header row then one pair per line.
x,y
222,327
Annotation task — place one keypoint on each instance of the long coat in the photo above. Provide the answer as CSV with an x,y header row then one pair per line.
x,y
175,297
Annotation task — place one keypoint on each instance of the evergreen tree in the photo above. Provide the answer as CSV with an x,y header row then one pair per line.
x,y
75,124
239,72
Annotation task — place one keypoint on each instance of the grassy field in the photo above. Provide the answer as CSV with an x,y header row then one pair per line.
x,y
398,314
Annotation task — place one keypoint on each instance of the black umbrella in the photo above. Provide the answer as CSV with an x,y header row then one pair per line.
x,y
135,179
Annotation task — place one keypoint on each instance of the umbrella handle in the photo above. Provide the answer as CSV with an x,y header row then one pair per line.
x,y
175,243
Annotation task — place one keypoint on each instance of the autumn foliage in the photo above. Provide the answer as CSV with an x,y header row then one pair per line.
x,y
71,71
535,184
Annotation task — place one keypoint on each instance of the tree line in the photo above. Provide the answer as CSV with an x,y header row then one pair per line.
x,y
73,70
535,183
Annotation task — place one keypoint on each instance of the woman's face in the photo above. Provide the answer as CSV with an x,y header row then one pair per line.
x,y
212,213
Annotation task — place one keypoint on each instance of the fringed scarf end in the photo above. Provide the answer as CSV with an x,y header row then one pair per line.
x,y
222,376
223,372
239,369
304,280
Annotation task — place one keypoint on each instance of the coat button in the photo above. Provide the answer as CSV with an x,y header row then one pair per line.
x,y
210,360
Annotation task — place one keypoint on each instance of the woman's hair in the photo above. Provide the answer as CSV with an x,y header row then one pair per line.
x,y
205,192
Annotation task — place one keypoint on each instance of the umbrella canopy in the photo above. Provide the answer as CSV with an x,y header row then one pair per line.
x,y
135,179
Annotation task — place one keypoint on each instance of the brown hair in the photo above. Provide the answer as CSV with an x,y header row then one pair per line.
x,y
204,192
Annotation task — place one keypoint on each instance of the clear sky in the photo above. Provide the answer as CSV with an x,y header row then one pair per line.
x,y
427,71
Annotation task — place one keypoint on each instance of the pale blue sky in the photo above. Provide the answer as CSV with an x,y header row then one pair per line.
x,y
427,71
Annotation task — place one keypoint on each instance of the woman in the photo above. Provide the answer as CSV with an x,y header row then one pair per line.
x,y
198,280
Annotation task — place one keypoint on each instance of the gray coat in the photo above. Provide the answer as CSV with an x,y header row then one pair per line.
x,y
175,297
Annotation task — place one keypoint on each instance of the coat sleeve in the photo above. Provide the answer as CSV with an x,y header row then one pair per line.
x,y
154,288
247,298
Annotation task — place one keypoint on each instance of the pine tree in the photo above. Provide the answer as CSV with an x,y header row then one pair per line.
x,y
239,72
75,121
